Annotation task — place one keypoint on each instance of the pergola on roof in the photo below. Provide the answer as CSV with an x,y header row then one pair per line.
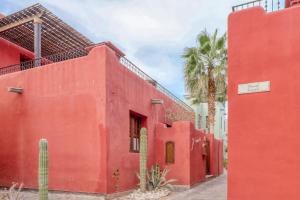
x,y
57,36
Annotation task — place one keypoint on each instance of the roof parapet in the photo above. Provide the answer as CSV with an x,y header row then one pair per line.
x,y
109,44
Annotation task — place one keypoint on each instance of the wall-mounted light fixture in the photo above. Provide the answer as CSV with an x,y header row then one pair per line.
x,y
157,101
152,82
15,90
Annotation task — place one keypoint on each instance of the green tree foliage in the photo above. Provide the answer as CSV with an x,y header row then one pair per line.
x,y
205,71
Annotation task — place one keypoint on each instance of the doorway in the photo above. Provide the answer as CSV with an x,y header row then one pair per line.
x,y
207,149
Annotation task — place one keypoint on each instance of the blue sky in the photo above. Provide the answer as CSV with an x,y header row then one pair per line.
x,y
152,33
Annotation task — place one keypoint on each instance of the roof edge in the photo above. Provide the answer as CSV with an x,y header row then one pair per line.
x,y
109,44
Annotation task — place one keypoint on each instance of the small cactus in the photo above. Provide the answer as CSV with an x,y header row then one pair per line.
x,y
143,159
157,171
43,170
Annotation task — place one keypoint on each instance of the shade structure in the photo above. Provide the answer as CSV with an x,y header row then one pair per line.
x,y
56,35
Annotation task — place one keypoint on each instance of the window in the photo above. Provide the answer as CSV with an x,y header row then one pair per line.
x,y
170,153
134,132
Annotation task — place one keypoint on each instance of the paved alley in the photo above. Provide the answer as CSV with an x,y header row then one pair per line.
x,y
215,189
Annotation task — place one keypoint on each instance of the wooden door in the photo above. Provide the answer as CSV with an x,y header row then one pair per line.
x,y
170,152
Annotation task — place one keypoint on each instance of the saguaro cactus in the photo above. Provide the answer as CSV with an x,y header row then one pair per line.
x,y
143,159
43,170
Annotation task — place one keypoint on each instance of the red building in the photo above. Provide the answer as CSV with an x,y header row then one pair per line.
x,y
89,102
264,101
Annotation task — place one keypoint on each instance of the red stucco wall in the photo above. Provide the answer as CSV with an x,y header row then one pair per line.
x,y
221,157
190,163
216,155
82,107
64,103
180,134
127,92
263,127
197,158
10,53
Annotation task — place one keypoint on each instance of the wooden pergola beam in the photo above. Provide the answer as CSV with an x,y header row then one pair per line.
x,y
25,29
35,18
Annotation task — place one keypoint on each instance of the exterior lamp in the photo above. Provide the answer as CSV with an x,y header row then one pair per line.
x,y
152,82
157,101
15,90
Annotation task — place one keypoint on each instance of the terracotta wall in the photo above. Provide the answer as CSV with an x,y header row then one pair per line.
x,y
82,107
263,127
221,157
180,134
190,159
127,92
216,155
10,53
197,155
64,103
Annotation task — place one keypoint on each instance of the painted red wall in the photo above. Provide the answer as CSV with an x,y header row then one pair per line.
x,y
189,167
216,155
10,53
82,107
127,92
221,157
64,103
263,127
197,158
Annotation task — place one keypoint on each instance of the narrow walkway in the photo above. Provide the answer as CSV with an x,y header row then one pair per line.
x,y
215,189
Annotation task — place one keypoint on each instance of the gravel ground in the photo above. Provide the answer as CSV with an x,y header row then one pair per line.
x,y
151,195
33,195
215,189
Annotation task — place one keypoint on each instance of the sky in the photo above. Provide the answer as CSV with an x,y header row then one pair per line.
x,y
152,33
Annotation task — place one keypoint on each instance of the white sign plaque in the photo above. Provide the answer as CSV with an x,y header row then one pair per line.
x,y
254,87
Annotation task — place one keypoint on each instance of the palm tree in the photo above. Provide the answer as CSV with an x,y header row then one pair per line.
x,y
205,72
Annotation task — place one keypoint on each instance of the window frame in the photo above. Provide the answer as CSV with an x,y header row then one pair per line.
x,y
134,131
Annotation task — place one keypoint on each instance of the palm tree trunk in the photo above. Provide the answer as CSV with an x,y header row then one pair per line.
x,y
211,100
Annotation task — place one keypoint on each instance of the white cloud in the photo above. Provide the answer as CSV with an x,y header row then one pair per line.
x,y
165,26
